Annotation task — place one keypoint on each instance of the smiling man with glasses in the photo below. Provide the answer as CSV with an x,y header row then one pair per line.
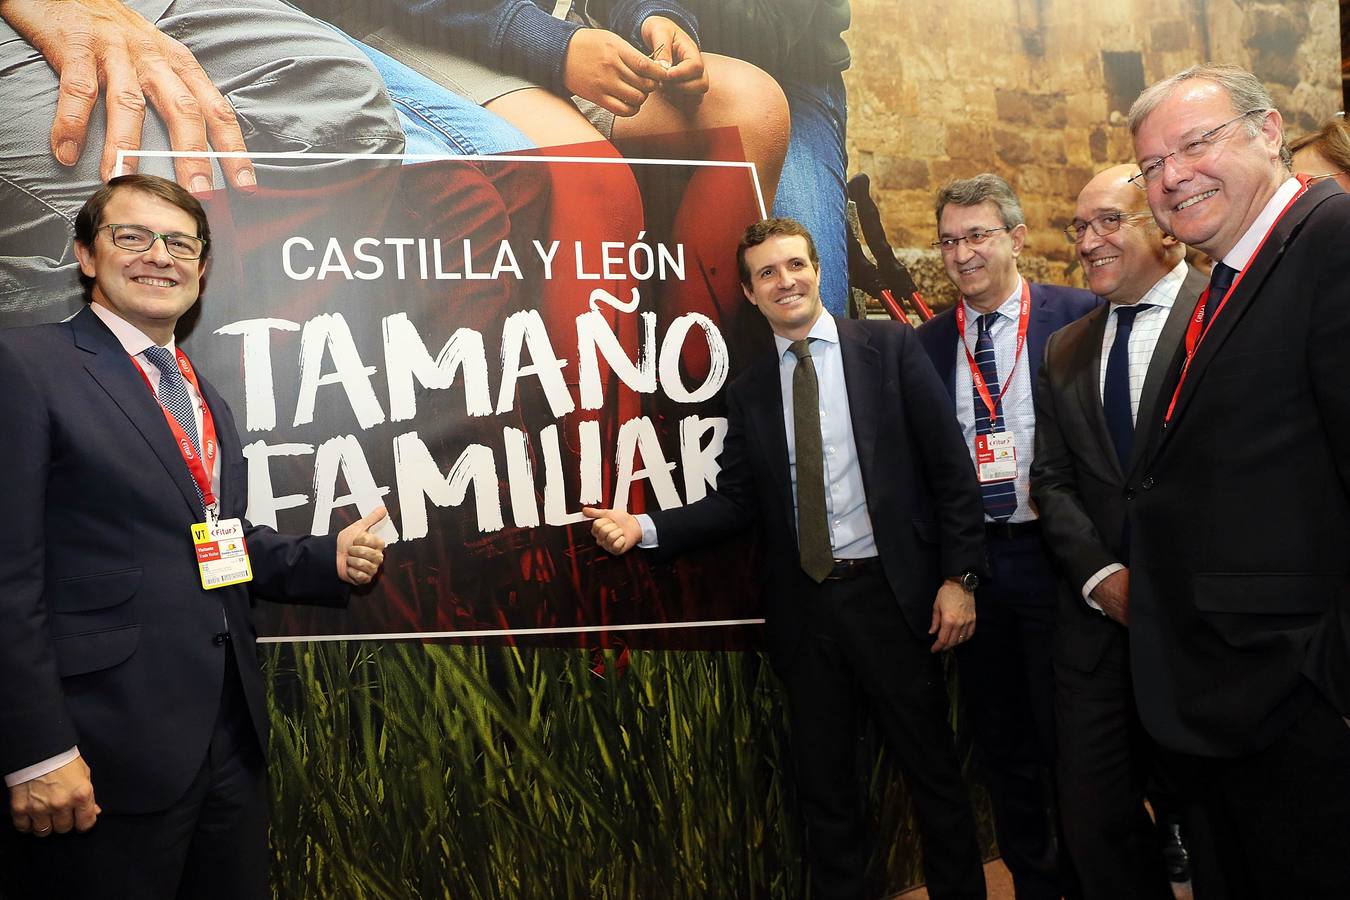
x,y
133,712
1239,510
988,350
1101,374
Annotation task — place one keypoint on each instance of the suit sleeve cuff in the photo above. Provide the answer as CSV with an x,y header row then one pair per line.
x,y
648,541
37,770
1091,584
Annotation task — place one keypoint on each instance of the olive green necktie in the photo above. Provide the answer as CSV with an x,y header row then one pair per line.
x,y
813,527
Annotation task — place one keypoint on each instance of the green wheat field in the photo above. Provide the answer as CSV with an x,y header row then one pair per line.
x,y
408,770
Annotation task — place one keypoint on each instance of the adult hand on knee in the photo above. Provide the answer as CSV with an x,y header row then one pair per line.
x,y
93,43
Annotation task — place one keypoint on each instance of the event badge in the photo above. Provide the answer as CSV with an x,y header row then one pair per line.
x,y
996,456
222,558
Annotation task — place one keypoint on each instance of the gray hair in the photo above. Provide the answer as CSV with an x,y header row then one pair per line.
x,y
974,191
1244,91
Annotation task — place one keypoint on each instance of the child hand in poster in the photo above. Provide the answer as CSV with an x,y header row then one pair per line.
x,y
673,48
101,44
605,69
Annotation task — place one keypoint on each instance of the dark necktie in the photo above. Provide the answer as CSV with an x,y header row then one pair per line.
x,y
1220,280
1000,497
1116,392
173,395
813,527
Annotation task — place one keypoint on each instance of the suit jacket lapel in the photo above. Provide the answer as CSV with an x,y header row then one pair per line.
x,y
946,364
1038,332
764,420
116,373
1245,292
862,382
1087,364
1163,364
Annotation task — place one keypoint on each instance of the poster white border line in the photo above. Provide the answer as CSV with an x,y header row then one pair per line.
x,y
497,632
472,157
500,632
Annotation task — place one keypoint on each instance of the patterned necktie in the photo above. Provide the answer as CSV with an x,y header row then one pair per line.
x,y
813,527
1220,280
1000,497
173,395
1116,393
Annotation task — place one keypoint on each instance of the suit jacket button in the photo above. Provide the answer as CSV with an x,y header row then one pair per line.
x,y
1129,493
220,638
1147,483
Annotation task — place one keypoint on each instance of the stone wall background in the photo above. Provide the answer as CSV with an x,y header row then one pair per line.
x,y
1037,91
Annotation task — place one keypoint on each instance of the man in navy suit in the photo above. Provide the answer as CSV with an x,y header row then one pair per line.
x,y
839,450
133,714
988,349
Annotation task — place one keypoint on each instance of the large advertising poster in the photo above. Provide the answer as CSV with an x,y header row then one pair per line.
x,y
462,268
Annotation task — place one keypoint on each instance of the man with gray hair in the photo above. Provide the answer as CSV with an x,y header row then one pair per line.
x,y
988,350
1240,510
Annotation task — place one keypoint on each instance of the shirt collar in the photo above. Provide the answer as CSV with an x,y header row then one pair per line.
x,y
825,329
132,339
1010,308
1245,248
1164,290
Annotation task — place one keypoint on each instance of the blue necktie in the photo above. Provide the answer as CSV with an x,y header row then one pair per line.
x,y
1116,392
1000,497
1220,280
173,394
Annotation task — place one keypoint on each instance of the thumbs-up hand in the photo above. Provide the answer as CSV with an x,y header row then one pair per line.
x,y
360,552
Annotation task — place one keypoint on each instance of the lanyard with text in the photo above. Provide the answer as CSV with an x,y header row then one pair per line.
x,y
199,466
1197,329
1023,318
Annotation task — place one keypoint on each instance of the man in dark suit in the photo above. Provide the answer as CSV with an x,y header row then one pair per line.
x,y
838,450
1100,374
1240,508
133,713
988,349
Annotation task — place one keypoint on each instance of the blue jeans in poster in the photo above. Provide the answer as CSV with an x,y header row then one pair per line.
x,y
437,120
811,188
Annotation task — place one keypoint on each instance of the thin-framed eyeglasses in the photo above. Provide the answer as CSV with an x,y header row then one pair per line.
x,y
1191,151
138,239
974,238
1106,223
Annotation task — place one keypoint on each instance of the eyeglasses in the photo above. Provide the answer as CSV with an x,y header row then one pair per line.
x,y
974,238
1106,223
1192,151
138,239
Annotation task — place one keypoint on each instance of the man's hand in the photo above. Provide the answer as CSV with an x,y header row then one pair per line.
x,y
953,616
614,529
56,802
1113,596
610,72
93,44
359,552
676,52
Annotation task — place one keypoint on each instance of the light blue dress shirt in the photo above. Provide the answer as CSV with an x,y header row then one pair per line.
x,y
1019,416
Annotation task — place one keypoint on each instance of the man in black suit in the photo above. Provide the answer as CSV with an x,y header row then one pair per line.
x,y
1100,374
988,349
120,672
838,450
1240,508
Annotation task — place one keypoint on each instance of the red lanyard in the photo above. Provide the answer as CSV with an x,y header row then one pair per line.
x,y
981,387
1198,329
199,466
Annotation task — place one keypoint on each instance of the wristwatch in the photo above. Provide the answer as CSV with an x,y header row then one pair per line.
x,y
968,580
